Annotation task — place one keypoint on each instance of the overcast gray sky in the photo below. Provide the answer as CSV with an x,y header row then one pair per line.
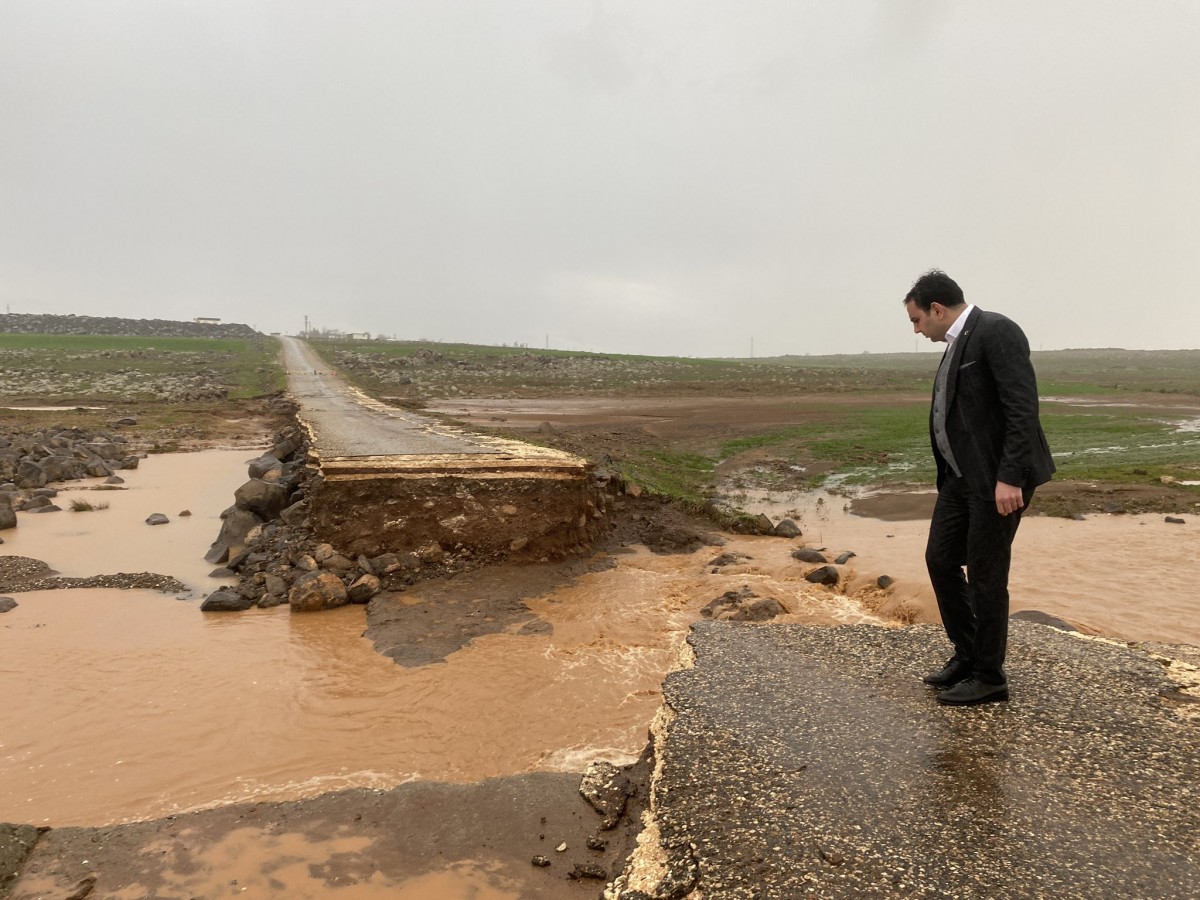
x,y
677,178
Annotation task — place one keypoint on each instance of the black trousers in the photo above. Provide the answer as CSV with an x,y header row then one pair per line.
x,y
967,531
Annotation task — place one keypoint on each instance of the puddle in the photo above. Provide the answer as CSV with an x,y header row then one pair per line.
x,y
1127,576
117,539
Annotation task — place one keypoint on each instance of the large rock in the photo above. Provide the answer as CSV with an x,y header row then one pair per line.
x,y
62,468
8,518
827,575
29,475
97,468
7,603
363,589
808,555
786,528
743,606
295,514
106,450
263,498
267,467
289,443
225,600
231,540
316,591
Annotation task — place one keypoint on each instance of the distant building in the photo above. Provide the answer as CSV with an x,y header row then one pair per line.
x,y
359,335
201,320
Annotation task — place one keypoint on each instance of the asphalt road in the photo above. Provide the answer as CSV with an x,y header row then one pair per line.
x,y
808,761
347,423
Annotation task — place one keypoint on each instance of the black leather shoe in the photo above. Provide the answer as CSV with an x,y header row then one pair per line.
x,y
951,673
972,691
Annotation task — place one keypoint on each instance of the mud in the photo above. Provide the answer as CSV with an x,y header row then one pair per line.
x,y
419,841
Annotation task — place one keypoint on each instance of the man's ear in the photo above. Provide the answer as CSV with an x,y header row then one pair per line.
x,y
936,310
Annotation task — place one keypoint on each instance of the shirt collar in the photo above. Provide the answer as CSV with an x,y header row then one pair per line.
x,y
960,323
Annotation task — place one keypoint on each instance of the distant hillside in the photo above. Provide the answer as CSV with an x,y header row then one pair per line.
x,y
21,323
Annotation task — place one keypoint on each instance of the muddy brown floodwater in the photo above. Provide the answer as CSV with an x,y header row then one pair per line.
x,y
122,706
132,705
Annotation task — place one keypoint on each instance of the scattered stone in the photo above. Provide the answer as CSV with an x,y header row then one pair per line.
x,y
157,519
540,861
7,603
885,581
597,844
295,514
805,554
761,524
225,600
588,870
114,479
339,563
363,589
127,420
728,559
1175,520
827,575
1078,517
844,558
184,513
48,508
222,572
607,789
787,529
743,606
8,517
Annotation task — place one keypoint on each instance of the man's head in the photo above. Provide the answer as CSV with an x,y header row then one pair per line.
x,y
933,304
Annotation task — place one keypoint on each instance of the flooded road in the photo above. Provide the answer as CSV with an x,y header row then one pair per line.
x,y
131,705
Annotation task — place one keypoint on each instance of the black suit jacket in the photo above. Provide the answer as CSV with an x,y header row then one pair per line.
x,y
992,408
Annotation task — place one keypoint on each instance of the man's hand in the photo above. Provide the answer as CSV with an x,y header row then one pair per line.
x,y
1009,498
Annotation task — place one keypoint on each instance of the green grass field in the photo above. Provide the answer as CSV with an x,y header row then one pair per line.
x,y
101,368
1129,431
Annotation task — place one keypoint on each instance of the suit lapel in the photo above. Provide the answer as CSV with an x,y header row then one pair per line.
x,y
956,353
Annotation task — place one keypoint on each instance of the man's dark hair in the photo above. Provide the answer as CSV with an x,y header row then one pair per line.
x,y
935,286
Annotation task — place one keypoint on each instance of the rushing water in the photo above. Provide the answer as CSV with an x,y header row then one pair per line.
x,y
131,705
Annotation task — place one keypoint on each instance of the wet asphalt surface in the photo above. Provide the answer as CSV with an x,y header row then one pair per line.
x,y
812,761
346,423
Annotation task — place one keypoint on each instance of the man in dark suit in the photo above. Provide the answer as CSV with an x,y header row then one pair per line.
x,y
991,453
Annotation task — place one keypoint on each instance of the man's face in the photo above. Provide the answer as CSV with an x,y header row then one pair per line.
x,y
933,324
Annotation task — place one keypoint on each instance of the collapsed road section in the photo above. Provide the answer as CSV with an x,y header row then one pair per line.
x,y
393,481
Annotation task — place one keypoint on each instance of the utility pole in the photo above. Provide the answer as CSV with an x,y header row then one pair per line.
x,y
752,348
306,326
